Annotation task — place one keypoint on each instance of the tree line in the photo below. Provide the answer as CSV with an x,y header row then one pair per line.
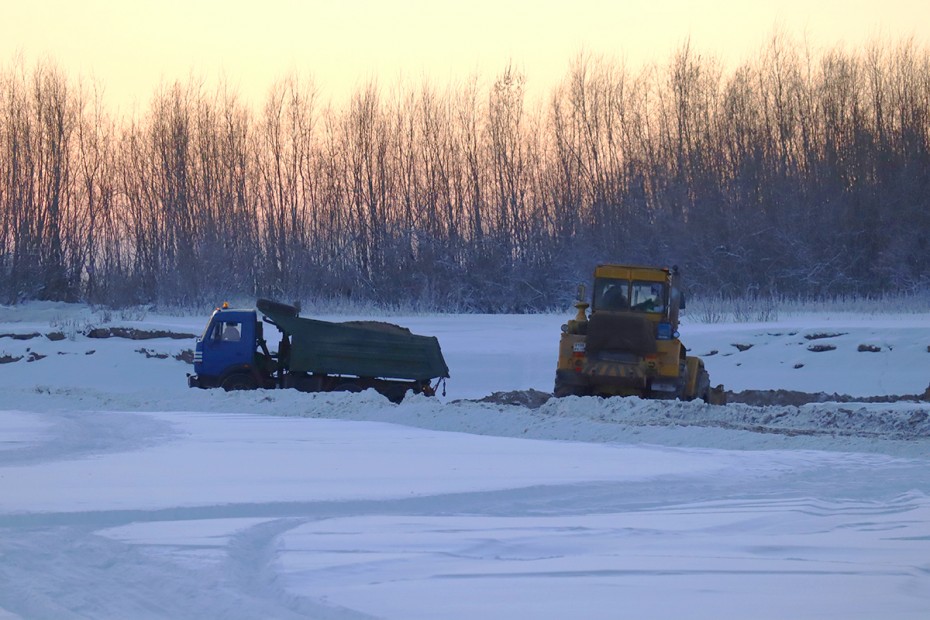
x,y
795,174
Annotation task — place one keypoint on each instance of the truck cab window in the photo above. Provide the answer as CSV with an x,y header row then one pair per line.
x,y
230,332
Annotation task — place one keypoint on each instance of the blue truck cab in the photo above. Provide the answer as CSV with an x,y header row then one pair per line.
x,y
226,352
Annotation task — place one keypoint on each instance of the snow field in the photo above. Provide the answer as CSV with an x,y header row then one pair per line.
x,y
123,494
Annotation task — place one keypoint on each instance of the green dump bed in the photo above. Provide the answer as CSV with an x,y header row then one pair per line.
x,y
359,348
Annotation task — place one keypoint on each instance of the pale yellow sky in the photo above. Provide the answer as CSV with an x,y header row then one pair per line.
x,y
131,46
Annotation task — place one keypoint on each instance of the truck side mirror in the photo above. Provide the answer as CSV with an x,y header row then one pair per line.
x,y
581,292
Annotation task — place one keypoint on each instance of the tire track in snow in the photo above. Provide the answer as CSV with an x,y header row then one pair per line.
x,y
77,434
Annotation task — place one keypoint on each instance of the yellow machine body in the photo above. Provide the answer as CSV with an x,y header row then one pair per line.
x,y
628,344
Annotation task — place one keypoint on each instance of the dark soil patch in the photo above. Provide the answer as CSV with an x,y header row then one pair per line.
x,y
869,348
34,357
820,348
820,336
9,359
150,354
55,336
186,356
531,399
135,334
743,347
21,336
761,398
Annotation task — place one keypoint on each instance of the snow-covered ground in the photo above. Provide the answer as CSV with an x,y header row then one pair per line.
x,y
123,494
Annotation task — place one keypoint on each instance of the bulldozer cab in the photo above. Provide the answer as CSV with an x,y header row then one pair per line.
x,y
648,291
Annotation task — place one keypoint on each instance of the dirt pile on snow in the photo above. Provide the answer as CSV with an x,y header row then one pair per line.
x,y
762,398
900,428
782,412
531,399
534,399
897,421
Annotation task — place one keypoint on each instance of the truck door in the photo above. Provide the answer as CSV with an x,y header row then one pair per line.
x,y
228,342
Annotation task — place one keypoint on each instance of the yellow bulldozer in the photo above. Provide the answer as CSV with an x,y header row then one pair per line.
x,y
628,344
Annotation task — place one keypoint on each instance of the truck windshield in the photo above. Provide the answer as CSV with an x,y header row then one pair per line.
x,y
648,296
611,294
206,330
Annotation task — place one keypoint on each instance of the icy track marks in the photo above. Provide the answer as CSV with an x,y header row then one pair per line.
x,y
74,434
739,543
54,572
297,559
56,564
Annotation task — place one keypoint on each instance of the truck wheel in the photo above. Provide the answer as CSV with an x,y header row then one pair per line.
x,y
308,384
394,393
239,381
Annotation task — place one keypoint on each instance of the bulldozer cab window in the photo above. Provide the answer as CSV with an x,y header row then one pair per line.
x,y
648,296
611,294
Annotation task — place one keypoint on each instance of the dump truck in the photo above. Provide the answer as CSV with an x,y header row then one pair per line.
x,y
629,343
313,355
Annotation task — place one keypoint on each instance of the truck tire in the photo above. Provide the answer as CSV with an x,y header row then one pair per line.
x,y
394,393
239,381
308,384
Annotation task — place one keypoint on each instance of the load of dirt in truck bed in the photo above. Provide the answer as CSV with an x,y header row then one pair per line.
x,y
380,326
